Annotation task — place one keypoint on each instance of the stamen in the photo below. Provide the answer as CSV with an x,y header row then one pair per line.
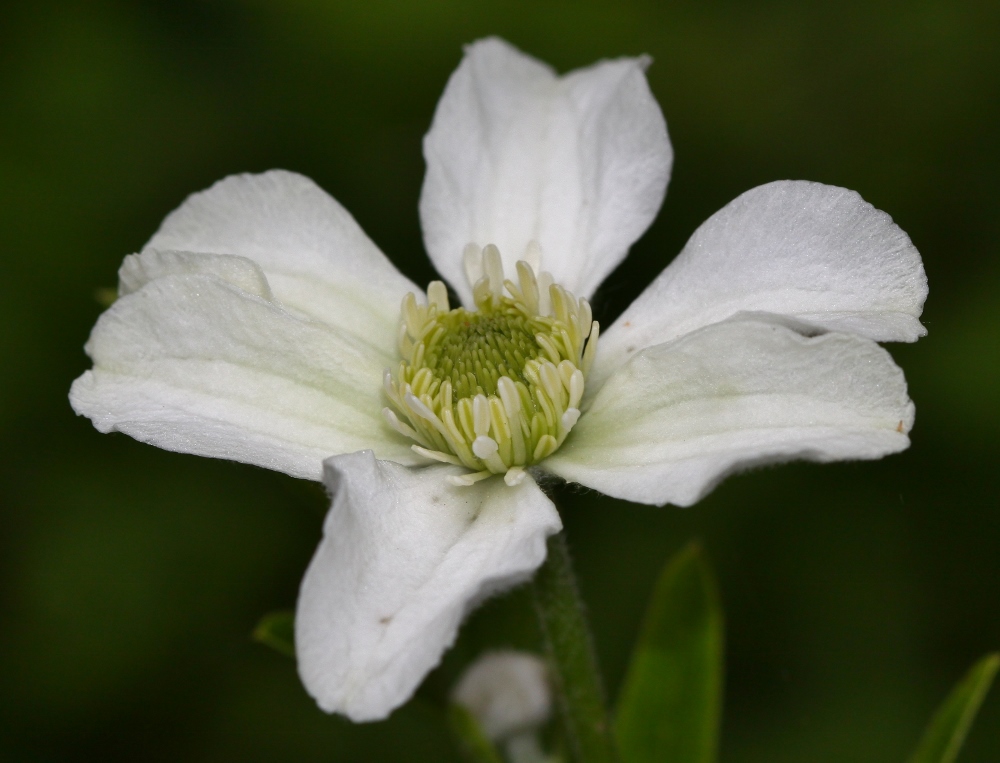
x,y
500,425
588,354
399,426
411,315
481,293
498,388
570,418
533,255
575,388
459,443
546,447
464,411
560,305
549,346
514,476
390,389
472,258
437,295
418,407
512,406
551,383
529,285
465,480
481,415
403,342
513,289
544,298
508,393
436,455
484,447
493,267
584,311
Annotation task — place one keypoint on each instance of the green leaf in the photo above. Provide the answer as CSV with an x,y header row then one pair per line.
x,y
277,630
946,733
469,737
669,708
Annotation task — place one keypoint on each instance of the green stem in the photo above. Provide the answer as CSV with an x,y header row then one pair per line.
x,y
570,649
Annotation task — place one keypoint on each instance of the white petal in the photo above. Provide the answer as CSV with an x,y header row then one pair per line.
x,y
681,416
516,154
192,364
316,258
815,252
139,269
404,556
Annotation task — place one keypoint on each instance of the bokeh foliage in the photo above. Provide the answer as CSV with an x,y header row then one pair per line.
x,y
131,579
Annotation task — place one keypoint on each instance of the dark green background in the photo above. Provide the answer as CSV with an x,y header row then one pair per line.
x,y
130,578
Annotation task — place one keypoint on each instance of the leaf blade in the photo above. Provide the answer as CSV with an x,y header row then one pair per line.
x,y
670,705
944,736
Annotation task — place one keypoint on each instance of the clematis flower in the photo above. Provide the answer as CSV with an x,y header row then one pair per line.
x,y
261,325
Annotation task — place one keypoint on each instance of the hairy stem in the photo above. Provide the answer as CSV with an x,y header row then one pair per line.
x,y
570,652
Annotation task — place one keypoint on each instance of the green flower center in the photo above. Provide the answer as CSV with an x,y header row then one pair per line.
x,y
496,389
474,350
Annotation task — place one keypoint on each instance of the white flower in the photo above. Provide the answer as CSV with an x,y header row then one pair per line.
x,y
507,692
257,323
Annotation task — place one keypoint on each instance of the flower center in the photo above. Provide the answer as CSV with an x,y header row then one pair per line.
x,y
496,389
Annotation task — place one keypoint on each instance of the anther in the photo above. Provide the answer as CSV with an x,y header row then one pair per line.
x,y
484,447
418,407
546,447
481,415
570,417
514,476
508,393
533,255
588,354
472,259
493,268
546,343
529,285
575,388
387,385
436,455
437,295
411,315
465,480
399,426
585,313
544,297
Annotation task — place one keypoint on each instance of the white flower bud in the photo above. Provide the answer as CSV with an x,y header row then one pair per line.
x,y
507,692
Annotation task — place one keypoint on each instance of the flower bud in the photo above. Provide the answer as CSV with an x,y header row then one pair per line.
x,y
507,692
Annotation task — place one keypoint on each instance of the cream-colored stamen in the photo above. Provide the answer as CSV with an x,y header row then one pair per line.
x,y
533,255
472,259
496,389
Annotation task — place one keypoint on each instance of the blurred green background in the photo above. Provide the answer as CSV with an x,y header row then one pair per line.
x,y
131,578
